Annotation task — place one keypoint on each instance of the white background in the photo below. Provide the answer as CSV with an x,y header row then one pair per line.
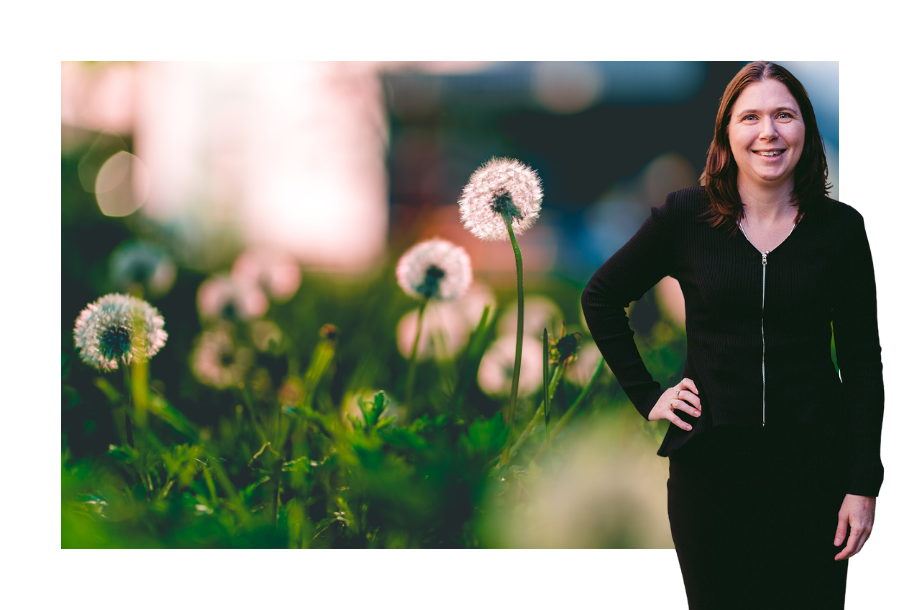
x,y
37,37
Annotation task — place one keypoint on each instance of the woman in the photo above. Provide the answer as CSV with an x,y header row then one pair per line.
x,y
774,459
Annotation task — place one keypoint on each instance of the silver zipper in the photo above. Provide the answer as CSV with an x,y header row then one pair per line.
x,y
762,325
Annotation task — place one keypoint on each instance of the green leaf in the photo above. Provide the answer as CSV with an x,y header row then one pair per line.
x,y
162,409
485,436
122,454
301,464
378,407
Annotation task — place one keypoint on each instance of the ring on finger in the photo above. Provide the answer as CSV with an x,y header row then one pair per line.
x,y
677,392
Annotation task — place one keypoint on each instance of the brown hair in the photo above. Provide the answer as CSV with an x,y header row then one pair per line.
x,y
720,175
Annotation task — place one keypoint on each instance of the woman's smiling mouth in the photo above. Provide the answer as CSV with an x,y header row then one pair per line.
x,y
769,153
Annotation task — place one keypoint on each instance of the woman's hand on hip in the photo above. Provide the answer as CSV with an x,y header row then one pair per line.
x,y
859,513
682,396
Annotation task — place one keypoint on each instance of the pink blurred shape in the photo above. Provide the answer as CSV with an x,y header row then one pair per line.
x,y
290,153
98,96
540,312
122,185
220,296
277,273
444,332
495,371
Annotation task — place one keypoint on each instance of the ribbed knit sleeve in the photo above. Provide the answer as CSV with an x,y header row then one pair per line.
x,y
625,277
859,358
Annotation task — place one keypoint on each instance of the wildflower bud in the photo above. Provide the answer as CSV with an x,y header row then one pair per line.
x,y
567,346
329,331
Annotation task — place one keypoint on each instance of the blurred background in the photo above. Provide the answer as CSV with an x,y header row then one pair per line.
x,y
279,196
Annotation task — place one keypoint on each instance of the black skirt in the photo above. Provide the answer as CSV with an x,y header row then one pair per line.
x,y
753,513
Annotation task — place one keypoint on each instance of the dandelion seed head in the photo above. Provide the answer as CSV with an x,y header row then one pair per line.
x,y
496,369
277,273
116,328
266,335
501,187
223,297
115,342
435,269
217,361
136,262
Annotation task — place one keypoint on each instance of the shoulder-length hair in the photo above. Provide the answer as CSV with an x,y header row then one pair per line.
x,y
720,175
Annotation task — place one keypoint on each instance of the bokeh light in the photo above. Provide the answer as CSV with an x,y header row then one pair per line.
x,y
496,370
122,185
444,332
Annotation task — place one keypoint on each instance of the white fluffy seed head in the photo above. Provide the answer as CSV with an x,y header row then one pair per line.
x,y
137,262
435,269
276,272
118,327
500,185
223,297
217,361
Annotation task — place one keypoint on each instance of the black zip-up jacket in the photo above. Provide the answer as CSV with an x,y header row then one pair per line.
x,y
758,327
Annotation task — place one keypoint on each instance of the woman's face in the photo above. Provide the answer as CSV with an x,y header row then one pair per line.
x,y
766,133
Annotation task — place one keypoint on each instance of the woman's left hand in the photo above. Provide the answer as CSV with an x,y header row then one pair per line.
x,y
859,512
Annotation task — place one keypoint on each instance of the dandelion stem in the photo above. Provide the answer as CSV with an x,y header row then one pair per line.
x,y
410,381
547,385
529,429
520,331
129,430
276,475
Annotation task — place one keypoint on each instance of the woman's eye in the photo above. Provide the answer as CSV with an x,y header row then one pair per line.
x,y
786,115
748,117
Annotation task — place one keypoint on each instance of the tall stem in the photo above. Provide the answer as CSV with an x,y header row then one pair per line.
x,y
520,331
529,429
410,381
277,478
547,385
129,429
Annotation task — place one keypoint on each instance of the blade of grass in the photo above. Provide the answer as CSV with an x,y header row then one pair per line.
x,y
547,384
570,412
529,429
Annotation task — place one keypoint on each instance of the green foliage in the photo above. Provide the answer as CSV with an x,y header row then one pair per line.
x,y
312,449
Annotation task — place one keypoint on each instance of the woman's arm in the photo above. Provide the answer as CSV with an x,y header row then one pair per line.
x,y
858,350
640,264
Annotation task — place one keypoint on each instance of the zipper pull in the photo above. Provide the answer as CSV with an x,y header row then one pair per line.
x,y
765,254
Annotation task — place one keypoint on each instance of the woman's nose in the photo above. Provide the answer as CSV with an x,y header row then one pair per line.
x,y
767,129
